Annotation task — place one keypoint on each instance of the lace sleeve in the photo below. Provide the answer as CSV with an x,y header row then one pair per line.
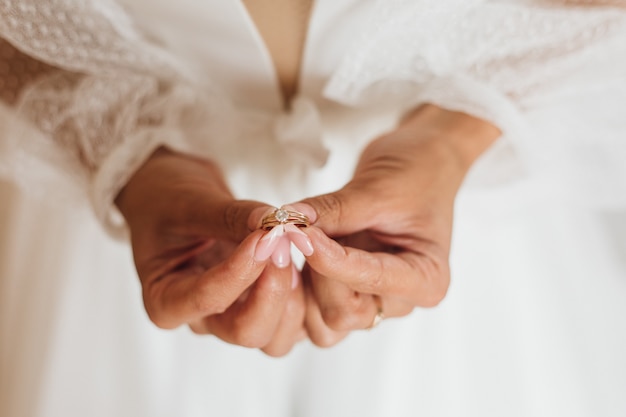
x,y
101,97
535,68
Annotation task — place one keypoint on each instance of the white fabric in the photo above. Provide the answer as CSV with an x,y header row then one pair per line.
x,y
533,324
497,60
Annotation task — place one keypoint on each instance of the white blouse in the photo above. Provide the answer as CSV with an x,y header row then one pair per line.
x,y
533,324
129,76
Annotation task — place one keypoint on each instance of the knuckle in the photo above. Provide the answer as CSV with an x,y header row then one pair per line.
x,y
371,273
156,315
438,294
344,316
405,310
373,278
325,339
207,306
329,203
243,335
161,319
199,329
158,320
235,219
439,282
196,330
276,351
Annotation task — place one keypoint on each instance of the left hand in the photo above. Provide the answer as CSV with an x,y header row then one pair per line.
x,y
201,260
383,240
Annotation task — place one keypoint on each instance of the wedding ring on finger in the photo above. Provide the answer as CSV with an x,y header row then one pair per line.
x,y
284,216
380,315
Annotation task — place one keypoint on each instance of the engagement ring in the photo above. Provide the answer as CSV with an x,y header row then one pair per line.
x,y
284,216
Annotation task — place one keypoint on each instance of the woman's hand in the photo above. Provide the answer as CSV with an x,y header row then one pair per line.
x,y
202,261
391,225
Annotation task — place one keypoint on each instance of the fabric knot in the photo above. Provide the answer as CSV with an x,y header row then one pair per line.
x,y
299,131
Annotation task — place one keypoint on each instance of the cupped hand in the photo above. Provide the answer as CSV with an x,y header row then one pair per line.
x,y
382,242
202,260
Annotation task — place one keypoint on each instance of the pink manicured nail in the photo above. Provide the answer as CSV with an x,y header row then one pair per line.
x,y
268,243
282,253
300,239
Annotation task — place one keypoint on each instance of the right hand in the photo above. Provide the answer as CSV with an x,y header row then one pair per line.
x,y
382,242
201,259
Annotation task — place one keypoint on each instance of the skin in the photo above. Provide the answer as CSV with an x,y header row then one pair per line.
x,y
383,238
194,248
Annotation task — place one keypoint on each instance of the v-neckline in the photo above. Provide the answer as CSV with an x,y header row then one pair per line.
x,y
279,97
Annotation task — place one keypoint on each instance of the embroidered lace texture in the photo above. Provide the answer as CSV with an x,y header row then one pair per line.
x,y
519,49
512,63
104,98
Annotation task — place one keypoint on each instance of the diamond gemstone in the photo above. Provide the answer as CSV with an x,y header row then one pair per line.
x,y
281,215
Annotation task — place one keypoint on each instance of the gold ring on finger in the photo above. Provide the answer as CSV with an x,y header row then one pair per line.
x,y
380,315
284,216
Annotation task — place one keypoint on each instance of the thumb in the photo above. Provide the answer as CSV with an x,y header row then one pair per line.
x,y
343,212
231,219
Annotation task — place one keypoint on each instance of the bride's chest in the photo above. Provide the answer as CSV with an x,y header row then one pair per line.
x,y
218,39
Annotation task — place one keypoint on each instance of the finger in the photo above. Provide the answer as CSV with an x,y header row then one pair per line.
x,y
299,239
268,243
291,327
258,214
341,307
225,219
187,296
253,322
320,334
345,309
281,257
200,326
346,211
189,195
417,278
276,244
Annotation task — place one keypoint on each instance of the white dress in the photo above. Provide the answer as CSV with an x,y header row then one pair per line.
x,y
535,320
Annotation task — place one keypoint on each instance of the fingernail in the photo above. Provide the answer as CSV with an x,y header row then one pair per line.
x,y
282,253
300,239
268,243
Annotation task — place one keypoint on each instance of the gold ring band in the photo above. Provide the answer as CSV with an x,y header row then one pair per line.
x,y
380,315
284,216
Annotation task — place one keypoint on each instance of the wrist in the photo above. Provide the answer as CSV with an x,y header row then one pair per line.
x,y
124,199
462,136
169,180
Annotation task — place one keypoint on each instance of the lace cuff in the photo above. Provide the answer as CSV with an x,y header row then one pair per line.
x,y
527,68
101,98
116,170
